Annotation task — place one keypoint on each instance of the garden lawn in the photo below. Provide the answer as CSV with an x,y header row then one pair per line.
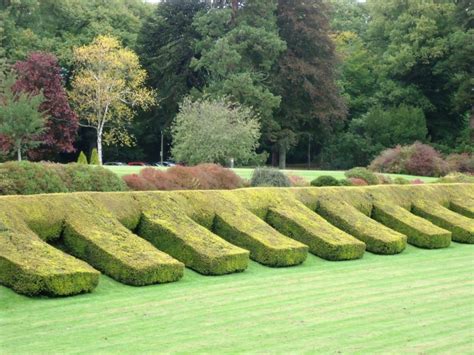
x,y
247,173
418,301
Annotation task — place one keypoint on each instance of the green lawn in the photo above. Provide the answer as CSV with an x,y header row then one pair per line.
x,y
247,173
420,301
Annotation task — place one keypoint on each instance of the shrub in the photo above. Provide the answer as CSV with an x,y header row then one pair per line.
x,y
425,160
357,182
298,181
463,163
415,159
364,174
456,178
94,157
26,178
82,159
344,182
417,182
79,177
400,181
269,177
384,179
325,180
203,177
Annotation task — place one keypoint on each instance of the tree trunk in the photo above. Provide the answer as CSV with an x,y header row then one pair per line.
x,y
274,155
235,8
282,157
18,152
99,146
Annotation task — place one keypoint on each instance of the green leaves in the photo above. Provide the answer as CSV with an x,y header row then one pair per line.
x,y
214,131
21,122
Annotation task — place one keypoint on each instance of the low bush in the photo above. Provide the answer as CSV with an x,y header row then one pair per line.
x,y
298,181
344,182
415,159
269,177
26,178
357,182
362,173
400,181
463,163
384,179
456,178
325,180
417,182
199,177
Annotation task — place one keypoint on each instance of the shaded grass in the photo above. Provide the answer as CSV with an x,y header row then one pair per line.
x,y
416,301
247,173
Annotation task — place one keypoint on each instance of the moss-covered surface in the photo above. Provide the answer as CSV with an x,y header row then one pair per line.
x,y
420,232
461,227
322,238
214,232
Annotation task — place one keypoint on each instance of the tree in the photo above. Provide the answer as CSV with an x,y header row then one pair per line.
x,y
21,122
305,75
57,26
94,160
378,129
425,56
214,132
40,72
107,88
82,159
165,45
237,51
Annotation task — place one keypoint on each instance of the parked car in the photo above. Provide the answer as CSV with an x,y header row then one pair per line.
x,y
169,163
137,163
115,163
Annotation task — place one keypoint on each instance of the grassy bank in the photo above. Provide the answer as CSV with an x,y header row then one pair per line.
x,y
247,173
417,301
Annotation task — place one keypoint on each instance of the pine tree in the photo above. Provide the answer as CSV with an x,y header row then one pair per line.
x,y
82,159
94,160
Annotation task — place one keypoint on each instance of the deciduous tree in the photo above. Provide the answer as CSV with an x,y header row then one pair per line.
x,y
214,131
21,121
40,72
107,88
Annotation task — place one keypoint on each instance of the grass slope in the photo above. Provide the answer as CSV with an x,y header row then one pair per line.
x,y
417,301
247,173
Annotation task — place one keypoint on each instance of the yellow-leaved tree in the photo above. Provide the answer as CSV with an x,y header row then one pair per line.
x,y
107,87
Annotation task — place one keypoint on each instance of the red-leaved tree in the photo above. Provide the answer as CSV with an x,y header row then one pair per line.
x,y
41,71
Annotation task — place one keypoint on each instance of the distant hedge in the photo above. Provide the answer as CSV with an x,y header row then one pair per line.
x,y
27,178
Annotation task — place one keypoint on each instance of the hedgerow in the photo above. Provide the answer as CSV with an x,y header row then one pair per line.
x,y
26,178
215,232
199,177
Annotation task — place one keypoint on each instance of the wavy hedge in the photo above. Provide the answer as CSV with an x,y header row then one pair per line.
x,y
58,244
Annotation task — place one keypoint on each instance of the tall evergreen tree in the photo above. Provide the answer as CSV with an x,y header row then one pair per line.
x,y
238,50
165,46
306,77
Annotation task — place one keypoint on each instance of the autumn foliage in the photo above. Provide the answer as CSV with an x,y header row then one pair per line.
x,y
199,177
41,72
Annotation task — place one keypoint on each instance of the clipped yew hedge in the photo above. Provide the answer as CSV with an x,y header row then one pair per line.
x,y
58,244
